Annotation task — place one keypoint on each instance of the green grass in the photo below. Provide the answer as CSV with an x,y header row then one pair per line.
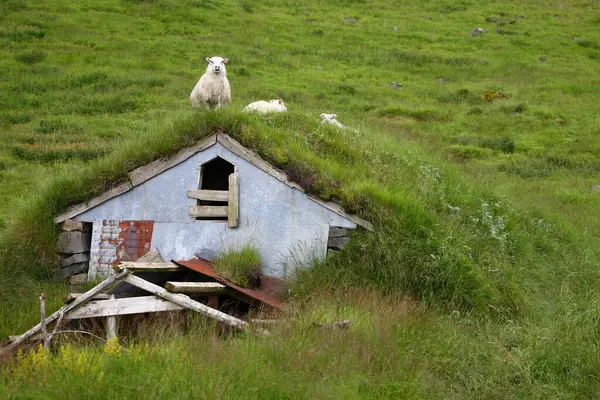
x,y
240,266
487,224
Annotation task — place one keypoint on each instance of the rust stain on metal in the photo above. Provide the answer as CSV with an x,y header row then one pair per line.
x,y
123,241
268,293
134,239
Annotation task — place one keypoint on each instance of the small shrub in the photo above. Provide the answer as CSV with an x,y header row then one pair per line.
x,y
247,6
88,79
240,267
31,57
50,126
505,144
464,153
491,96
15,119
5,164
418,115
518,109
588,44
461,96
345,89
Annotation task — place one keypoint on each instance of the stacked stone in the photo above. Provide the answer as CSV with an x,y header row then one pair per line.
x,y
74,249
338,239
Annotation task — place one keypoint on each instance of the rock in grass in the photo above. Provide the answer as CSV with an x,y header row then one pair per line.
x,y
396,85
336,231
395,28
70,226
542,59
337,243
596,188
71,270
476,32
73,242
74,259
79,279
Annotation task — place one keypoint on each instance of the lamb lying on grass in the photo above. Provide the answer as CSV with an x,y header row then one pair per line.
x,y
331,119
212,90
264,107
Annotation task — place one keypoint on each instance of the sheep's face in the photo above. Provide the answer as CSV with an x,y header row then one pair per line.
x,y
216,65
328,117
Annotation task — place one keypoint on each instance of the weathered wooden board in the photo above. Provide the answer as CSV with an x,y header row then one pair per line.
x,y
233,209
125,306
93,202
195,287
208,211
76,303
185,301
210,195
142,174
148,267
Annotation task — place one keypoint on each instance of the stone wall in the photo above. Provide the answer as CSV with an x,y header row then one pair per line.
x,y
338,239
73,246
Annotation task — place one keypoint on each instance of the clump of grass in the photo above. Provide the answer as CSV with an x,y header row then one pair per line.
x,y
31,57
15,119
462,96
504,144
241,267
50,126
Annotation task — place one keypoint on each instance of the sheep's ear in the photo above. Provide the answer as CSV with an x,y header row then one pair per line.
x,y
334,115
280,101
207,59
225,60
322,115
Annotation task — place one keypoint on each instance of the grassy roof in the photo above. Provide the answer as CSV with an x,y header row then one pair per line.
x,y
438,238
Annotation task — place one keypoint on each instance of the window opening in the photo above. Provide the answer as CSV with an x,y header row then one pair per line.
x,y
217,193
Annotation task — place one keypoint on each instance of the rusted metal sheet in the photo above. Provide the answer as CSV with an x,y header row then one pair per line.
x,y
268,293
121,241
134,239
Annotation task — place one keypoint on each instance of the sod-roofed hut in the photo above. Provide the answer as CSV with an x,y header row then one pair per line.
x,y
213,196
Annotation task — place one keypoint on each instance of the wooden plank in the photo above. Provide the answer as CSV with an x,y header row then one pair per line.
x,y
43,319
195,287
148,267
72,296
208,211
210,195
76,303
137,177
233,209
254,159
124,306
93,202
185,301
142,174
111,322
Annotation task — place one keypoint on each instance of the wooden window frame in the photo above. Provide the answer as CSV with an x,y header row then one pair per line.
x,y
231,196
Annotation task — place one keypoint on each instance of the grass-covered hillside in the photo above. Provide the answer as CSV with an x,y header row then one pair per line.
x,y
477,167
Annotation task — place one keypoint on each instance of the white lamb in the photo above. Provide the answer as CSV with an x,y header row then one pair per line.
x,y
264,107
331,119
212,90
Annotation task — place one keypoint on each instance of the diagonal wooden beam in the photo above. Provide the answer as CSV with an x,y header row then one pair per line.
x,y
186,302
71,306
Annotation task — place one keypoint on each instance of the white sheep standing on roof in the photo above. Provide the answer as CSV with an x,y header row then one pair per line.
x,y
212,90
264,107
